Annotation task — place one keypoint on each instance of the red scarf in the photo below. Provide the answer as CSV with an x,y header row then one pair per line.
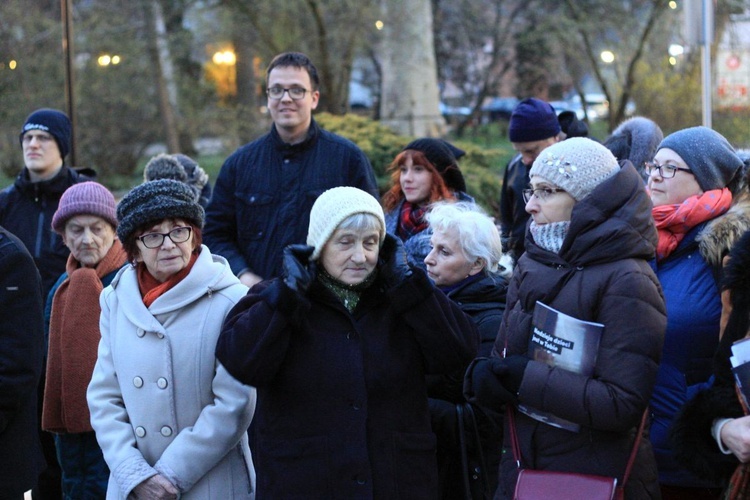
x,y
412,220
673,222
152,289
73,343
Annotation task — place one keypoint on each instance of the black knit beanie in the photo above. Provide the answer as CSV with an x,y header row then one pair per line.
x,y
441,157
55,123
155,201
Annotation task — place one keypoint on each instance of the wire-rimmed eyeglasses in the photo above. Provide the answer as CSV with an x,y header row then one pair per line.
x,y
541,193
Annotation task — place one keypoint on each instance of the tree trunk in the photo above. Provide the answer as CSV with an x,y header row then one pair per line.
x,y
165,78
410,101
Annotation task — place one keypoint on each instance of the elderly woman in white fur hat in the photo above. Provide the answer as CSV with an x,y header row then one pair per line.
x,y
338,349
588,247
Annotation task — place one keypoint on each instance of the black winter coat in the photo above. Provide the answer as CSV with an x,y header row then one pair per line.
x,y
601,274
26,210
262,197
513,215
21,351
694,446
342,400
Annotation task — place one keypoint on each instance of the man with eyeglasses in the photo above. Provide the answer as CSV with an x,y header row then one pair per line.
x,y
533,127
26,210
264,192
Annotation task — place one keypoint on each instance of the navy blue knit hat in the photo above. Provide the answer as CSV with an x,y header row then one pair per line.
x,y
709,155
533,120
154,201
54,122
441,156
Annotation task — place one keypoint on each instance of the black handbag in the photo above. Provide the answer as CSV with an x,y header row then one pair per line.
x,y
474,470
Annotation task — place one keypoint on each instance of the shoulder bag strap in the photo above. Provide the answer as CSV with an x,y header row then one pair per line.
x,y
462,447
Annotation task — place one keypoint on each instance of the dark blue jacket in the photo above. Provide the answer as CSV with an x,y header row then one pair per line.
x,y
21,351
693,311
26,210
264,192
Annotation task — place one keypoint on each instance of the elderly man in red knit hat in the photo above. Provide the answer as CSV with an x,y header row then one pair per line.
x,y
86,219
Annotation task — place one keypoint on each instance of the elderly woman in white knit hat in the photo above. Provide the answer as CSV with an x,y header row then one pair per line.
x,y
338,349
587,250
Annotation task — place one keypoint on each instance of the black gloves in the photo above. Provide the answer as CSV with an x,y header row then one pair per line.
x,y
394,266
491,382
299,271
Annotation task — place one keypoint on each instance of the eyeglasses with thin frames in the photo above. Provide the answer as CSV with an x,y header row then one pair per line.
x,y
295,93
541,193
177,235
666,171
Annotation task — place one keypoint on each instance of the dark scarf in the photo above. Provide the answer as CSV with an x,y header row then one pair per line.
x,y
412,220
348,294
469,279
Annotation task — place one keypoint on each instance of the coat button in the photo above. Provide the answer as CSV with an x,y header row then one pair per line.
x,y
160,335
166,431
138,382
140,332
356,406
361,481
161,383
140,431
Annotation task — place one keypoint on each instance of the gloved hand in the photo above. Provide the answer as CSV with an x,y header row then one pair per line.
x,y
299,271
483,386
511,371
394,266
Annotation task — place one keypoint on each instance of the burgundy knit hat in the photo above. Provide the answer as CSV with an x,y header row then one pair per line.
x,y
86,198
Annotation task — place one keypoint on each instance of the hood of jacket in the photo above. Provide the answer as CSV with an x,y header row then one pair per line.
x,y
613,222
210,274
481,295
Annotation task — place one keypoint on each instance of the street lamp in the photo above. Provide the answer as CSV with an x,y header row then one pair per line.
x,y
608,57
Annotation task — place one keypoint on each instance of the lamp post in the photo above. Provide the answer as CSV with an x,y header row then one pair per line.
x,y
66,7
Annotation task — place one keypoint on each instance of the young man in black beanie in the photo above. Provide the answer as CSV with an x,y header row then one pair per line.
x,y
26,210
533,127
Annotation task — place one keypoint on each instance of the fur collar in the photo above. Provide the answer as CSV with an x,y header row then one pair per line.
x,y
721,233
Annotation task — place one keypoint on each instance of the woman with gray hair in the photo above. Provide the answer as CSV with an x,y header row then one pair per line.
x,y
463,263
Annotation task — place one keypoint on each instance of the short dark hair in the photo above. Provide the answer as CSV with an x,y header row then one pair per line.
x,y
297,60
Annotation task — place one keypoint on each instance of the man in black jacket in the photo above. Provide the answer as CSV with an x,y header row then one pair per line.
x,y
263,195
26,210
533,127
21,350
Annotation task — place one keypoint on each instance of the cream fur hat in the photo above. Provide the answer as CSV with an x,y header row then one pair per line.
x,y
577,165
333,207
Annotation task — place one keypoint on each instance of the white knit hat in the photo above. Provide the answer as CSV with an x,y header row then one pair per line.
x,y
577,165
333,207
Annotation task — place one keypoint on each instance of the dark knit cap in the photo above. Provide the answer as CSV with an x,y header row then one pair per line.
x,y
457,152
164,166
85,198
533,120
439,154
709,155
155,201
55,123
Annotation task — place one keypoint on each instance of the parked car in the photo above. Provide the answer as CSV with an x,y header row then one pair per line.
x,y
499,108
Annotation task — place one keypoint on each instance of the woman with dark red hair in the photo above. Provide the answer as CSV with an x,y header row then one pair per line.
x,y
426,171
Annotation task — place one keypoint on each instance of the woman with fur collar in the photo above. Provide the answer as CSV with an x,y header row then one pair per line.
x,y
708,433
692,181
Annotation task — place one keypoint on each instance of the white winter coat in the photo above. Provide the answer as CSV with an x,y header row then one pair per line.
x,y
160,402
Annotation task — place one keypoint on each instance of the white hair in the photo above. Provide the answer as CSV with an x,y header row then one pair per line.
x,y
477,234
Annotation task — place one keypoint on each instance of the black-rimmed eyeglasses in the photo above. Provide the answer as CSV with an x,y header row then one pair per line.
x,y
666,171
295,93
541,193
177,235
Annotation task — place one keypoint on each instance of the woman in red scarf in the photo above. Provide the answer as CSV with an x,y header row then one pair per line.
x,y
692,181
86,220
170,420
426,171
